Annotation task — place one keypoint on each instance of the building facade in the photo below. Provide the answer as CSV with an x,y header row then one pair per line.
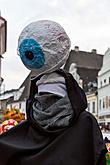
x,y
92,101
11,99
104,91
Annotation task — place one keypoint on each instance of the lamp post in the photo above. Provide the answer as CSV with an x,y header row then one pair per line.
x,y
3,39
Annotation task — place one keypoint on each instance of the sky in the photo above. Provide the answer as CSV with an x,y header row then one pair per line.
x,y
86,22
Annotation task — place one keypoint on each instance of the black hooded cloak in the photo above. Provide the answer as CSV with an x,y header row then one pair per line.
x,y
80,143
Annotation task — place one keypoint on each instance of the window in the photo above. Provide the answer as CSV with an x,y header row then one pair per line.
x,y
109,80
103,103
19,105
93,107
100,83
88,107
109,102
100,102
104,80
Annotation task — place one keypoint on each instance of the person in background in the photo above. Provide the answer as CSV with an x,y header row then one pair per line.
x,y
58,130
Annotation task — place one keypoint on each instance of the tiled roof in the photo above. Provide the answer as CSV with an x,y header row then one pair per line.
x,y
88,65
85,59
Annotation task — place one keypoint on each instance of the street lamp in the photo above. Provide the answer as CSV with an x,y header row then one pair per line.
x,y
3,41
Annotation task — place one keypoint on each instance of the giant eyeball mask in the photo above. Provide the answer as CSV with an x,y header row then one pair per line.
x,y
43,46
31,54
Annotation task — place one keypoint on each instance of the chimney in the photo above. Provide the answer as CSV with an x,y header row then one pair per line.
x,y
94,51
76,48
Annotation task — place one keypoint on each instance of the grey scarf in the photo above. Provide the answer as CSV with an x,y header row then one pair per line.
x,y
52,111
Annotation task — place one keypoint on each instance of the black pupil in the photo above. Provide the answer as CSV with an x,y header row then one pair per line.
x,y
29,55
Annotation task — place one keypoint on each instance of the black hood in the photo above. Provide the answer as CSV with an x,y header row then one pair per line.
x,y
76,96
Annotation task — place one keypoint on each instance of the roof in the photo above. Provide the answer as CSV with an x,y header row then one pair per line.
x,y
87,75
26,84
88,65
83,59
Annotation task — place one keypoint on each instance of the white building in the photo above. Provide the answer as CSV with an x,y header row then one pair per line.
x,y
104,91
92,103
3,40
11,99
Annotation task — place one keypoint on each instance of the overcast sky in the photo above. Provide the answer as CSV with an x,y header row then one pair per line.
x,y
87,22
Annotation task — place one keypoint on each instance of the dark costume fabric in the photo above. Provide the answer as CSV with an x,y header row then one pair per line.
x,y
34,142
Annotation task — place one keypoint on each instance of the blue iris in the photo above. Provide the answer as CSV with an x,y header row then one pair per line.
x,y
31,54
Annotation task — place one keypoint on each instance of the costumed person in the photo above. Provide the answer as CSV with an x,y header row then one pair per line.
x,y
58,130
